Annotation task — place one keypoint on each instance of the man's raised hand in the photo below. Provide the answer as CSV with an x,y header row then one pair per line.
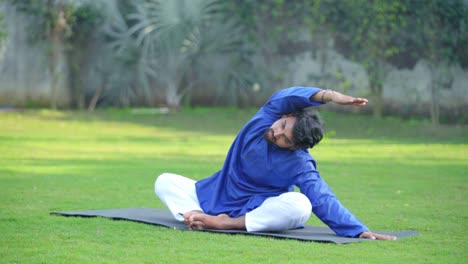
x,y
342,99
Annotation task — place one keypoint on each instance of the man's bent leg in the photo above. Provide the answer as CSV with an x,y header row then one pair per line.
x,y
177,193
287,211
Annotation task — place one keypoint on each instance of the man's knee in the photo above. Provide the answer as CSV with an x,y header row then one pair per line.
x,y
162,183
287,211
299,203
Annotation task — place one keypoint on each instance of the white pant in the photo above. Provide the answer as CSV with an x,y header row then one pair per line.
x,y
287,211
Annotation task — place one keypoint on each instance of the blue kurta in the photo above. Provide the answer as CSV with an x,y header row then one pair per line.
x,y
255,170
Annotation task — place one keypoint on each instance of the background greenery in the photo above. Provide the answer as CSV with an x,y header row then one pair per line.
x,y
393,174
153,52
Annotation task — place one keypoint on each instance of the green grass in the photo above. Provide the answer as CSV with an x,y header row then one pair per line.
x,y
393,174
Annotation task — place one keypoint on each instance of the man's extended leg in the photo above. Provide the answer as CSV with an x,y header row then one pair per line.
x,y
177,193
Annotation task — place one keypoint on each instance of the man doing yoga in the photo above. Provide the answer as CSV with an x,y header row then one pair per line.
x,y
254,190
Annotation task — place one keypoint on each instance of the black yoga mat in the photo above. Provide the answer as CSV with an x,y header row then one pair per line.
x,y
164,218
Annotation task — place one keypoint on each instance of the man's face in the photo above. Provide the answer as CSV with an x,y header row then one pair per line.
x,y
280,133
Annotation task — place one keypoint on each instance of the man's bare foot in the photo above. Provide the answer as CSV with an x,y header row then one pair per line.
x,y
197,220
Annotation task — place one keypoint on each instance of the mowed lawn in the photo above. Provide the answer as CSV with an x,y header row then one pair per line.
x,y
393,174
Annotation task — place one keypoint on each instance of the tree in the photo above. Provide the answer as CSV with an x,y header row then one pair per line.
x,y
64,27
441,39
2,27
275,30
174,40
53,25
85,32
372,30
323,24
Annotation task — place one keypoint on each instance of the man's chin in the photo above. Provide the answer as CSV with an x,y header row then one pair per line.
x,y
266,137
269,141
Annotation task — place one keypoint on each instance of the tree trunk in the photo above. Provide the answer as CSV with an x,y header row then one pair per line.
x,y
173,97
377,75
76,83
54,69
94,100
57,57
435,106
378,102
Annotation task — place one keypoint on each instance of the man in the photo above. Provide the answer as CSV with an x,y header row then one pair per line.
x,y
254,190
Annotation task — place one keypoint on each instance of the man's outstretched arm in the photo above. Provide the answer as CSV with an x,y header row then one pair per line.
x,y
324,96
329,210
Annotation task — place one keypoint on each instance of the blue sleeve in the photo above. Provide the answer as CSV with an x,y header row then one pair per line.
x,y
326,206
291,99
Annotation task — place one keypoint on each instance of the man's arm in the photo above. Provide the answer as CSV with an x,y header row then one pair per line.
x,y
326,206
290,100
324,96
329,210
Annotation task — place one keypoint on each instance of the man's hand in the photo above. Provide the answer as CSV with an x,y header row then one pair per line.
x,y
342,99
371,235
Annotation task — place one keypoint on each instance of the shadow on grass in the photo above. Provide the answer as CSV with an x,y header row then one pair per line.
x,y
209,121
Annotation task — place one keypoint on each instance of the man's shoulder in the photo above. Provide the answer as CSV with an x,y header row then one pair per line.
x,y
303,154
304,159
296,158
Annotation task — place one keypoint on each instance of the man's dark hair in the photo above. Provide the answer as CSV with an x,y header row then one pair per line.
x,y
308,130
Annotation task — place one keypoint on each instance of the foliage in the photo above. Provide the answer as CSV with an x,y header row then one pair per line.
x,y
48,15
85,18
371,31
442,34
65,27
174,49
2,25
174,41
273,29
84,26
442,40
380,33
387,172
